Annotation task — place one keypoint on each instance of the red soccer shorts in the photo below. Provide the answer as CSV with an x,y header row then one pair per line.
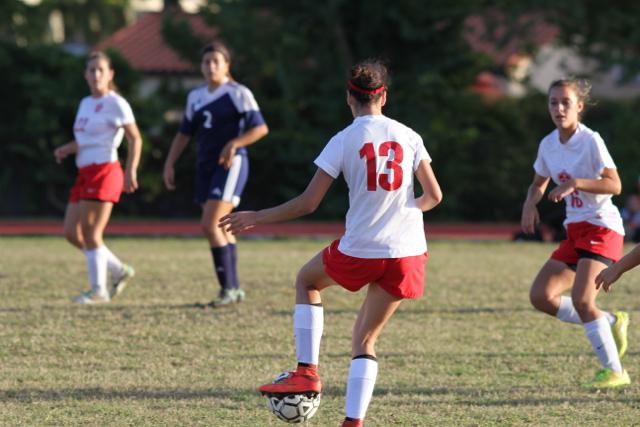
x,y
401,277
104,182
591,238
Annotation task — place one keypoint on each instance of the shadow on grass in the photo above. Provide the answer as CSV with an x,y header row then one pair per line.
x,y
96,393
428,310
115,307
479,397
467,310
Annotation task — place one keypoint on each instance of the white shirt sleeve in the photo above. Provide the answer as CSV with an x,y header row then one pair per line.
x,y
188,109
124,113
421,151
602,159
540,166
330,159
245,101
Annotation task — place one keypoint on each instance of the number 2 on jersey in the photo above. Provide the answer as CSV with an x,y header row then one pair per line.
x,y
384,179
207,119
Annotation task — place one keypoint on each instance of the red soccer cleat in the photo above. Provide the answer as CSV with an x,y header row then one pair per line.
x,y
302,380
353,423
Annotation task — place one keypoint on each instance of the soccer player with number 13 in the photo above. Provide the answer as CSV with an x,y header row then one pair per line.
x,y
384,244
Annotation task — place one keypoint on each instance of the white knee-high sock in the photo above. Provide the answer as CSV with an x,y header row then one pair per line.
x,y
599,333
308,322
97,266
114,265
567,312
362,379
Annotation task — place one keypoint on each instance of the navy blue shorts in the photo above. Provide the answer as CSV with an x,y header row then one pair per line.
x,y
217,183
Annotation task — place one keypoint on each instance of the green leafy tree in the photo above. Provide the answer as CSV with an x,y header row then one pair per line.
x,y
294,55
84,21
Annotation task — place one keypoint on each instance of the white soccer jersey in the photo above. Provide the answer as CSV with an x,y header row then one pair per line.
x,y
583,156
98,128
378,157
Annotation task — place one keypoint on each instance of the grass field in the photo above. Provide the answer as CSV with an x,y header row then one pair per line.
x,y
472,352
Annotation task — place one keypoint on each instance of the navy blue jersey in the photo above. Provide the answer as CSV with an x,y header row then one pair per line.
x,y
216,117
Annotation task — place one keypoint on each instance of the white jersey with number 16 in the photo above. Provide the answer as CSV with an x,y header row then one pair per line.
x,y
378,157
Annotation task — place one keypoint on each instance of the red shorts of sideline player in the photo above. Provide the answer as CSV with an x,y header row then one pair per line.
x,y
590,238
103,182
401,277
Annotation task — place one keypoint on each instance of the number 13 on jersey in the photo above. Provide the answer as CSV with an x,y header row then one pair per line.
x,y
393,164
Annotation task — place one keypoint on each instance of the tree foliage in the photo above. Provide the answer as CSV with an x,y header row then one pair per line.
x,y
294,56
84,21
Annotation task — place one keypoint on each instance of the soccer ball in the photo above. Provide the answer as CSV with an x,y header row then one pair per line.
x,y
294,408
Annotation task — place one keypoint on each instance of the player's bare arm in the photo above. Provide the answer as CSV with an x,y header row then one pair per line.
x,y
530,216
304,204
609,183
178,145
610,275
432,194
65,150
251,136
134,140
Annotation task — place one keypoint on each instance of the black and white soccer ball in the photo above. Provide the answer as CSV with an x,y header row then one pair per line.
x,y
293,408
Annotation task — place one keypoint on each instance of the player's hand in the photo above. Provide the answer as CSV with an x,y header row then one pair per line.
x,y
60,153
236,222
561,191
227,154
607,277
169,178
130,181
530,218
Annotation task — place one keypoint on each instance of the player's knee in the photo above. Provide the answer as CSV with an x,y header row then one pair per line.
x,y
363,343
584,306
539,299
91,238
212,231
303,282
73,236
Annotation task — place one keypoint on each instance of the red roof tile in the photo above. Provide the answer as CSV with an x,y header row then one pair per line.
x,y
142,45
488,34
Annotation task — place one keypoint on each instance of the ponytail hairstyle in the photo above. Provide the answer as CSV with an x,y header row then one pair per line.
x,y
101,56
581,87
220,47
368,79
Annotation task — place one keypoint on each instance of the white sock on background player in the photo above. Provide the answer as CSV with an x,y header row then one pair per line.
x,y
114,265
599,333
567,313
97,266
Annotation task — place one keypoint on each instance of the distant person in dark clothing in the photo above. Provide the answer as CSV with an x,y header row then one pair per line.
x,y
223,117
631,218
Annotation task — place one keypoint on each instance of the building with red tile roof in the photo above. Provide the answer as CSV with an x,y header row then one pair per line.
x,y
142,45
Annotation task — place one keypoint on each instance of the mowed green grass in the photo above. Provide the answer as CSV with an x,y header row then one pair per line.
x,y
472,352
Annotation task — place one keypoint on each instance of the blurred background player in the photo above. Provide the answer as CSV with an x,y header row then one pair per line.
x,y
102,120
384,245
224,118
631,218
576,159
